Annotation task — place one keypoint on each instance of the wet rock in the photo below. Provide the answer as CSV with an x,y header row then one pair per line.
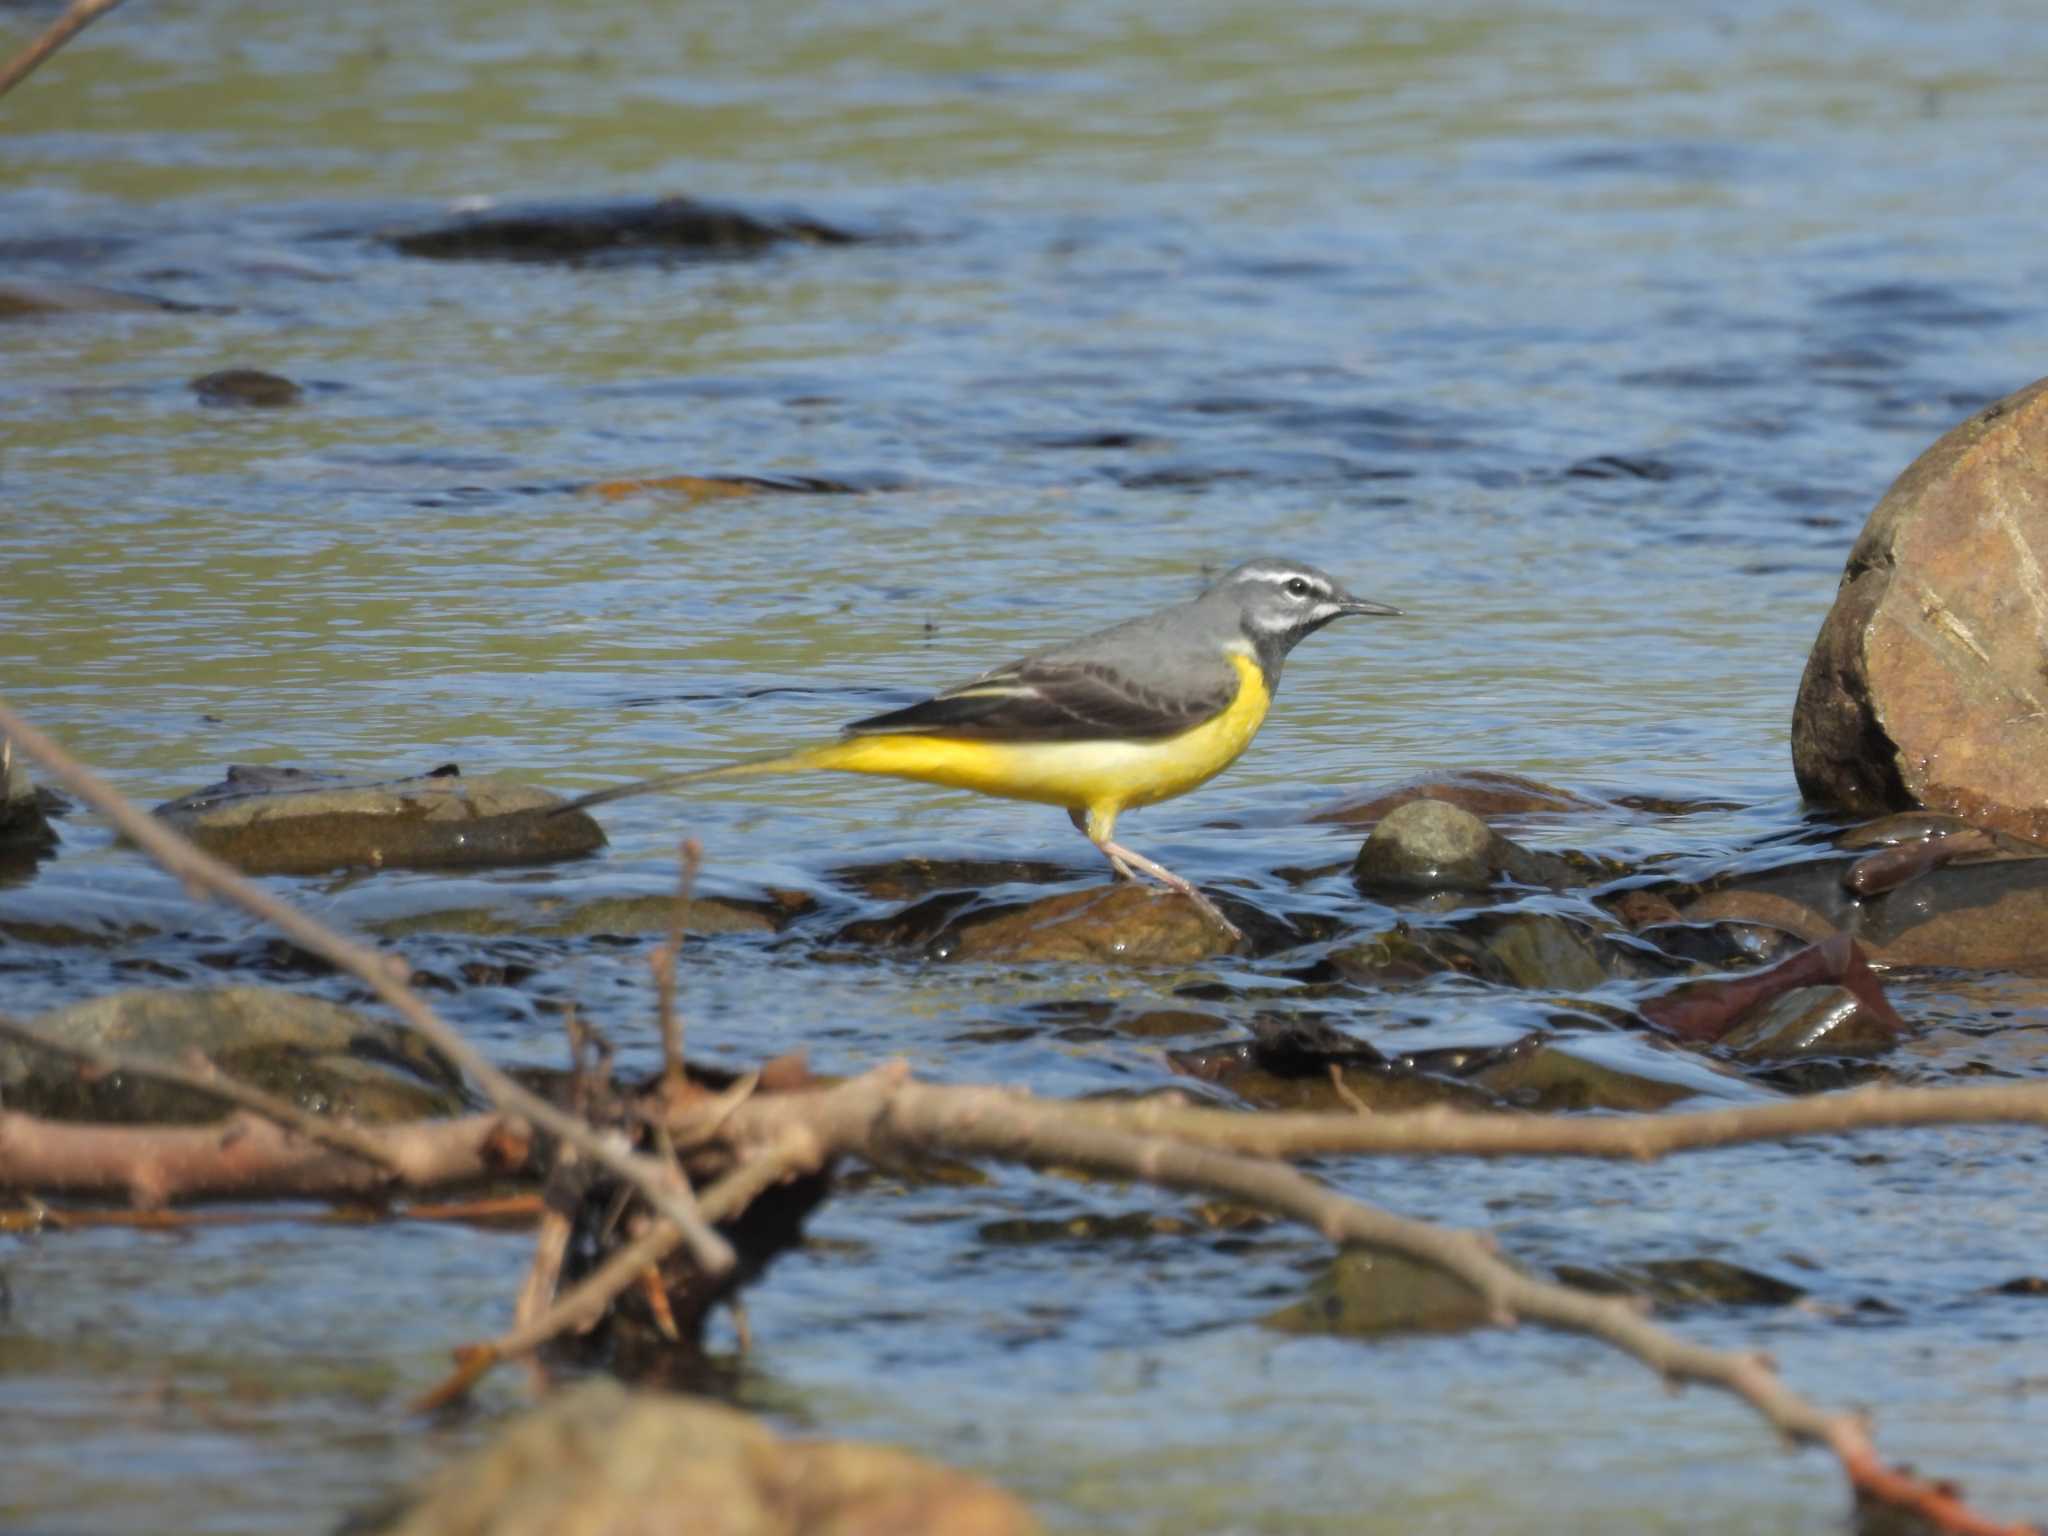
x,y
1405,953
673,227
1763,909
917,926
249,387
1888,868
913,879
316,1054
1366,1292
23,299
1537,950
1925,686
1719,946
1431,845
1125,922
1168,1023
1710,1010
565,917
1084,1227
597,1460
26,836
1535,1075
1686,1282
296,821
1984,916
1302,1064
1977,912
1903,827
1808,1022
1481,791
724,487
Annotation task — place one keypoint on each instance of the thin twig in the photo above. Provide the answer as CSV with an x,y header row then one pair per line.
x,y
77,16
386,975
665,957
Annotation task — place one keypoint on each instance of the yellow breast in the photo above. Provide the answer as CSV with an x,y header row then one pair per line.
x,y
1099,777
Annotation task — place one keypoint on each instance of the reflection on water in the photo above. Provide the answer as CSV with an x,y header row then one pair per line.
x,y
1585,338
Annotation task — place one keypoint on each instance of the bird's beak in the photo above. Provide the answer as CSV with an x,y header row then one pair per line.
x,y
1349,605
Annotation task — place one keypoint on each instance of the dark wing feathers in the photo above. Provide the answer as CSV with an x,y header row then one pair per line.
x,y
1043,699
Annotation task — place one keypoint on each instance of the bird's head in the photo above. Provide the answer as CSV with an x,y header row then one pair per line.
x,y
1281,602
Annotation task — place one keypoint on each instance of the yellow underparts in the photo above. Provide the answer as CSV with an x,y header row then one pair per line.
x,y
1100,778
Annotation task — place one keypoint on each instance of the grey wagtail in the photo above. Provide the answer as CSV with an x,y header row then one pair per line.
x,y
1131,715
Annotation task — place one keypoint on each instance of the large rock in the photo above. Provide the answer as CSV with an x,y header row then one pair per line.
x,y
298,821
599,1461
1927,684
317,1054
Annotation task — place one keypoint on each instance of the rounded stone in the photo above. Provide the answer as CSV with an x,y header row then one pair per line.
x,y
1928,684
1427,845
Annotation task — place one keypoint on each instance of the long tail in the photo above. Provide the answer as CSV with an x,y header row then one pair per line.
x,y
777,762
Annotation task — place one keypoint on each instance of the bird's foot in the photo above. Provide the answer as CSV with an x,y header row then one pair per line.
x,y
1124,861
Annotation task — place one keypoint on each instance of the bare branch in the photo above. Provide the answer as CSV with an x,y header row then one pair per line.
x,y
77,16
247,1156
1463,1133
387,976
204,1077
871,1118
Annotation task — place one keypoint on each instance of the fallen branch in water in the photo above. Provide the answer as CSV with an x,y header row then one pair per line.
x,y
663,1186
202,1076
885,1121
76,17
249,1156
1446,1132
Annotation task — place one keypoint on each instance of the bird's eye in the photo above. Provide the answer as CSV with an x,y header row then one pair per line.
x,y
1296,587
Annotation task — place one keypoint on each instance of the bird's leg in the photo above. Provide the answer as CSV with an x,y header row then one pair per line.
x,y
1129,863
1117,866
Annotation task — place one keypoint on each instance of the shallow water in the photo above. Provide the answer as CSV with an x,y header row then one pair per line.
x,y
1589,338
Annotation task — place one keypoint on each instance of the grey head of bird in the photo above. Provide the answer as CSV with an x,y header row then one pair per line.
x,y
1280,603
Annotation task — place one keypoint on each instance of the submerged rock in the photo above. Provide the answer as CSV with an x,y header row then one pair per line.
x,y
1122,922
294,821
26,298
670,226
1808,1022
1299,1064
1715,1008
597,1460
1431,845
1482,791
318,1055
1366,1292
1686,1282
1952,901
26,835
246,387
1926,684
549,916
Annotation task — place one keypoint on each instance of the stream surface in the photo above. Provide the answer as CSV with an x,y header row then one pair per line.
x,y
1586,334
